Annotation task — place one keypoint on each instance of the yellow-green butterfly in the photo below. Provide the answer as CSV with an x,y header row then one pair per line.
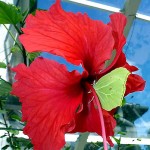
x,y
111,88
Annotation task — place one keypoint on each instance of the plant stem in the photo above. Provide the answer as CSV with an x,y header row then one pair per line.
x,y
24,55
12,36
7,129
5,81
21,48
97,102
17,29
6,125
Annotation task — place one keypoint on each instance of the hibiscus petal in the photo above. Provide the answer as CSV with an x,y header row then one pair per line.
x,y
130,68
50,96
134,83
118,23
121,62
88,119
75,37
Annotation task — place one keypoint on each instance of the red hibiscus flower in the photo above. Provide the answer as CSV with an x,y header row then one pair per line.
x,y
56,101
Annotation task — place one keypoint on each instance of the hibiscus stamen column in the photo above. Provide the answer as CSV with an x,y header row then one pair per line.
x,y
97,102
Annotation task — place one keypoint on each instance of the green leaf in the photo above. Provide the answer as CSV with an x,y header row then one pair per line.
x,y
5,87
123,101
19,143
3,136
15,49
2,65
3,111
5,147
67,148
28,146
121,133
16,132
9,14
116,116
117,140
13,131
2,123
111,88
33,5
33,55
16,117
139,139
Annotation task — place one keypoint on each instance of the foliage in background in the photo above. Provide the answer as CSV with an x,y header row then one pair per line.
x,y
10,14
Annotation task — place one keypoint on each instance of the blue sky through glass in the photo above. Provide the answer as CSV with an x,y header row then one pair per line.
x,y
137,51
61,60
114,3
94,13
144,7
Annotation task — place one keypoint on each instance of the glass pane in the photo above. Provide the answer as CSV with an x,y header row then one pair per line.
x,y
44,5
114,3
94,13
144,7
138,53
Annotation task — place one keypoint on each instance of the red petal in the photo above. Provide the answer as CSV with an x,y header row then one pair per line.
x,y
118,22
121,62
88,119
130,68
134,83
50,96
75,37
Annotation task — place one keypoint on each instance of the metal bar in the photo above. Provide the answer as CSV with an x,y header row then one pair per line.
x,y
96,138
81,141
95,5
130,9
143,17
108,8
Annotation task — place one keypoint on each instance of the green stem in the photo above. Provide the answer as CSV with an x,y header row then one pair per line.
x,y
1,107
7,129
12,36
24,55
17,29
25,16
97,102
5,81
21,48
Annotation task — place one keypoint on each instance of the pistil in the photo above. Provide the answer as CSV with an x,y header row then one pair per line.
x,y
98,104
